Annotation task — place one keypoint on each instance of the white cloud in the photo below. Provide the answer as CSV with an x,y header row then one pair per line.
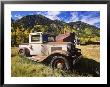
x,y
53,15
90,19
39,12
18,16
31,13
74,17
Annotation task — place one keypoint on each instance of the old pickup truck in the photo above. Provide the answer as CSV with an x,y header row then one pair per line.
x,y
41,47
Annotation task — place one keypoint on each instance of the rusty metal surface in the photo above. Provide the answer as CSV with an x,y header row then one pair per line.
x,y
63,52
55,48
61,37
67,37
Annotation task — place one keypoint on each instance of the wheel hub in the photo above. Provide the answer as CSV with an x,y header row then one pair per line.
x,y
60,66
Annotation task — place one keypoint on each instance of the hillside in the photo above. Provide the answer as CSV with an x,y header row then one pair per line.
x,y
30,23
81,25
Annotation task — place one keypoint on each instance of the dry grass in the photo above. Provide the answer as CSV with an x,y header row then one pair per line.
x,y
23,67
91,51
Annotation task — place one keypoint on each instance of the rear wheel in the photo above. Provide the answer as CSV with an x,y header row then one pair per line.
x,y
22,52
60,62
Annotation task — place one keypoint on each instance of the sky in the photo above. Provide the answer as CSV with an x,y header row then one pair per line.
x,y
90,17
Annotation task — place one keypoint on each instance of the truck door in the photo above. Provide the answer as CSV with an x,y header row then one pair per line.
x,y
44,50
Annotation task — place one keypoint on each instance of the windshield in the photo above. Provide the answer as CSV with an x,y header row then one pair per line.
x,y
35,38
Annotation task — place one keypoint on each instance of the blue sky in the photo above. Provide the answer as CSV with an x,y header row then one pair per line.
x,y
90,17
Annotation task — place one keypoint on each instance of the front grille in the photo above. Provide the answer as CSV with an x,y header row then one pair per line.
x,y
55,48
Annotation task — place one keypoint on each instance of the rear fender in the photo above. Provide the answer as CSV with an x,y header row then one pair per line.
x,y
26,49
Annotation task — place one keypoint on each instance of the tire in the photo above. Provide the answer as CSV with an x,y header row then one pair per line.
x,y
60,62
22,52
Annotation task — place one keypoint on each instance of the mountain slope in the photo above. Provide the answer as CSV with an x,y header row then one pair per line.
x,y
30,23
30,20
81,25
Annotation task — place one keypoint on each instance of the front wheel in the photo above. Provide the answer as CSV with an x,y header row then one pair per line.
x,y
60,62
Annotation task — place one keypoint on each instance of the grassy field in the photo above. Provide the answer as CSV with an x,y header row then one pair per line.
x,y
91,51
88,66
